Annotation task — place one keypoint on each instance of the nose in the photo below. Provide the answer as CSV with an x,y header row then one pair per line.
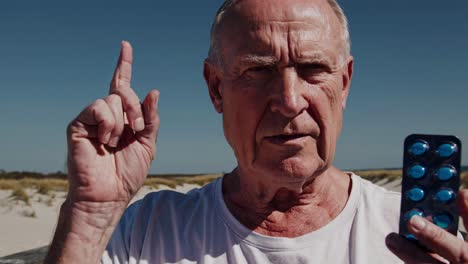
x,y
287,95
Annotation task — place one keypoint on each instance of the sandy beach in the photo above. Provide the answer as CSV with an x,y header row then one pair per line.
x,y
24,227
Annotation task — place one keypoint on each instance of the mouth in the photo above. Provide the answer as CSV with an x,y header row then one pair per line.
x,y
285,139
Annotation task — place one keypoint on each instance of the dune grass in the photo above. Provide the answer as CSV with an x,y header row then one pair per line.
x,y
18,182
379,175
23,187
19,194
174,181
47,185
43,186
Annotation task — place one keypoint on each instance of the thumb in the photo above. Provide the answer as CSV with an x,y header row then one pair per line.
x,y
151,115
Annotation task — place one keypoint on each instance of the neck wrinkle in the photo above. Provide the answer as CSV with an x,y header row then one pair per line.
x,y
273,212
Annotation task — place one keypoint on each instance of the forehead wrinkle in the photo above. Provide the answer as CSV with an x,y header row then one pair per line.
x,y
313,24
256,18
299,28
277,11
308,51
296,33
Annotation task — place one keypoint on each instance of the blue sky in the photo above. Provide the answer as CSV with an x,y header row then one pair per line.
x,y
411,70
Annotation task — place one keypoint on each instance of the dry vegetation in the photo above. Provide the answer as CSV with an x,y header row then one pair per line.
x,y
43,186
48,184
19,194
26,187
173,181
380,175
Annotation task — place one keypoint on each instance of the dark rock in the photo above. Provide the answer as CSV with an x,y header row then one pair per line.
x,y
33,256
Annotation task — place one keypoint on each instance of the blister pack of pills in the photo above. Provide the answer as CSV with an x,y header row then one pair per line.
x,y
431,180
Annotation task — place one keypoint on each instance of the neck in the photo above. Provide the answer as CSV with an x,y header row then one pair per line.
x,y
286,210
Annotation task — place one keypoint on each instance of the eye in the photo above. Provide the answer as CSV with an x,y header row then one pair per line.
x,y
313,68
260,69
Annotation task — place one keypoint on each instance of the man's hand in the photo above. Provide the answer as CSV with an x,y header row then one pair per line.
x,y
445,246
110,148
112,142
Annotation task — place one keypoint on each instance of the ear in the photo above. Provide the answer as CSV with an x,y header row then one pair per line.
x,y
210,72
347,76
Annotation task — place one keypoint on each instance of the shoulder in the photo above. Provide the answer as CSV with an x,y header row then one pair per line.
x,y
171,202
164,210
377,202
375,192
157,217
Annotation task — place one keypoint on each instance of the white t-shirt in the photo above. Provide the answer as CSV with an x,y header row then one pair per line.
x,y
171,227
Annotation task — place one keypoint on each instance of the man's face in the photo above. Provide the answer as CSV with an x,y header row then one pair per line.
x,y
283,86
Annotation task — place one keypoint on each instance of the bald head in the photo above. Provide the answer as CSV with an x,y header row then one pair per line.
x,y
231,14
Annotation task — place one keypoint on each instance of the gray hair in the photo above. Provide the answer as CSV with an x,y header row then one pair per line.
x,y
214,55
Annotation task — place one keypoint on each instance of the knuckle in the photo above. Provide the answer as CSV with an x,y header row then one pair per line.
x,y
128,98
97,104
70,128
74,127
119,127
435,233
117,92
108,122
157,120
113,99
134,107
124,79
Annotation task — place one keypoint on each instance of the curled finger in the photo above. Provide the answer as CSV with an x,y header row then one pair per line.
x,y
132,108
99,114
115,105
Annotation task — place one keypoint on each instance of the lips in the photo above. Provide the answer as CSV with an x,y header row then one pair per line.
x,y
287,138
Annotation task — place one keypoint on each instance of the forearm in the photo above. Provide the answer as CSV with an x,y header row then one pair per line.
x,y
83,231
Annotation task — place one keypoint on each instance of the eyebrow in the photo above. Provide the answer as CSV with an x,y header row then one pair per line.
x,y
313,57
252,59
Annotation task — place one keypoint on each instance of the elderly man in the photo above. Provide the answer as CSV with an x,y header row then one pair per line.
x,y
279,71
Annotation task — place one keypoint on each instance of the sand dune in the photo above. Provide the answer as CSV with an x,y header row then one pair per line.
x,y
24,227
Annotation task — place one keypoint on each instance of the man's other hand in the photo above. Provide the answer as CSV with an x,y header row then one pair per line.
x,y
445,246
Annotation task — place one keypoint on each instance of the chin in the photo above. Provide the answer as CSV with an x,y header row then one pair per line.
x,y
294,169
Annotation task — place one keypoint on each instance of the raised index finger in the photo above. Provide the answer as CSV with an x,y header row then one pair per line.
x,y
120,85
123,72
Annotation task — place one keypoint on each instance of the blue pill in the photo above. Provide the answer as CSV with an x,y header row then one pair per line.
x,y
444,196
442,220
411,237
412,213
417,172
419,148
415,194
446,150
445,173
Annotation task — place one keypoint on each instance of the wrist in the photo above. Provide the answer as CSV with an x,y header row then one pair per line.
x,y
83,231
89,221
